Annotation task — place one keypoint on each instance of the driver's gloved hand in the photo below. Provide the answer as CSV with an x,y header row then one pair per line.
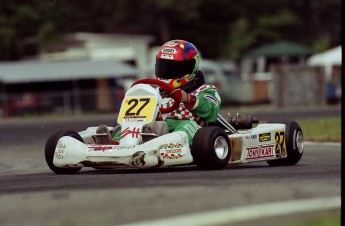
x,y
163,93
189,100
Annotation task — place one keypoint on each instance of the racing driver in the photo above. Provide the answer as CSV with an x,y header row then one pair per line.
x,y
177,63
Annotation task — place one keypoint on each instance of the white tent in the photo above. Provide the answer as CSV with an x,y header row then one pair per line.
x,y
326,59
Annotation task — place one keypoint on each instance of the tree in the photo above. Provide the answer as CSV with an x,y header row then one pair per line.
x,y
220,29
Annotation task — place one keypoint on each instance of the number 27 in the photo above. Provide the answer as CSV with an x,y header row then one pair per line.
x,y
134,103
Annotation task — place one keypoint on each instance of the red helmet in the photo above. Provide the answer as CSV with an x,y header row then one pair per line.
x,y
177,62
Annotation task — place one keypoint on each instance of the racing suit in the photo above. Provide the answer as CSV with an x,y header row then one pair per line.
x,y
188,120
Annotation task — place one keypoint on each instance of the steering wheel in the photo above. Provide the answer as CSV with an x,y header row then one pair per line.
x,y
164,86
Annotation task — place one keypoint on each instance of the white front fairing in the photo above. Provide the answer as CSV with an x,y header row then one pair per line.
x,y
264,142
169,149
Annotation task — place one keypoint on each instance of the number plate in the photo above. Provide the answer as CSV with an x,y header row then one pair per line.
x,y
137,109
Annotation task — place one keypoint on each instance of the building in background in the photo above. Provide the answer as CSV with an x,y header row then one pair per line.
x,y
330,62
82,73
257,62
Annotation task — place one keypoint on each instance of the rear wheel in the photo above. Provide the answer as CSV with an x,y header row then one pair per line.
x,y
294,145
210,148
50,151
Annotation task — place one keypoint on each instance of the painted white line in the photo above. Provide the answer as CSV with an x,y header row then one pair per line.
x,y
246,213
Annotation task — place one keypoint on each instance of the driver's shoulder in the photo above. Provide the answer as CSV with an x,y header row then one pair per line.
x,y
205,88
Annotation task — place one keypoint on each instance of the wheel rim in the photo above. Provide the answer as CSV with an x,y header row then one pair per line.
x,y
221,147
299,141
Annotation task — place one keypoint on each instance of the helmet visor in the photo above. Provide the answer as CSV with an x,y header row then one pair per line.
x,y
169,69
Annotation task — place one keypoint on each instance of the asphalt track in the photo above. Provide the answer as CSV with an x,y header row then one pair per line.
x,y
251,194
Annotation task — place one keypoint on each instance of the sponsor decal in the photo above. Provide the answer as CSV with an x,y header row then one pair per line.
x,y
169,50
61,145
167,56
172,155
171,145
60,150
264,137
249,137
101,148
134,119
211,99
171,44
192,128
262,151
135,132
172,151
104,148
60,154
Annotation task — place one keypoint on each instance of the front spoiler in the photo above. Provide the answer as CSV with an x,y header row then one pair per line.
x,y
166,150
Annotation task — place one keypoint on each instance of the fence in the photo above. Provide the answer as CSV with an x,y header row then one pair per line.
x,y
60,102
298,85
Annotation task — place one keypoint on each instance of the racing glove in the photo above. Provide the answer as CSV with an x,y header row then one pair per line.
x,y
189,100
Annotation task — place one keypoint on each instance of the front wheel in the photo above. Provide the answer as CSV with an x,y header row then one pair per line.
x,y
294,145
210,148
50,151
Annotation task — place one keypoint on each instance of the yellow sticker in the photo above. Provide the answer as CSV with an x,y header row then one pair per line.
x,y
137,109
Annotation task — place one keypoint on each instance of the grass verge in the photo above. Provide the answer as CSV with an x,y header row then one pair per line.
x,y
321,129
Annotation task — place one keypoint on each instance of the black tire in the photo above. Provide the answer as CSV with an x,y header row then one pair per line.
x,y
294,145
50,149
207,142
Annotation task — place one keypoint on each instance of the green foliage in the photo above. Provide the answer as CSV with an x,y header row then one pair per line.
x,y
321,43
281,18
48,36
219,28
240,39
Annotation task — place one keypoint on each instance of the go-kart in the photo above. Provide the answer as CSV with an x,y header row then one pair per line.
x,y
146,141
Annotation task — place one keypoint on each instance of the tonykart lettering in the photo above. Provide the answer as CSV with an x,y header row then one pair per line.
x,y
263,151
